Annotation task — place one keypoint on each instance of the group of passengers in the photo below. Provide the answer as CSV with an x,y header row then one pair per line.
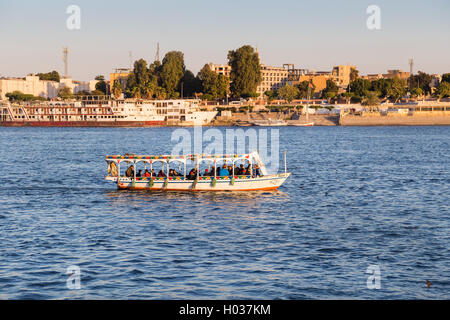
x,y
225,171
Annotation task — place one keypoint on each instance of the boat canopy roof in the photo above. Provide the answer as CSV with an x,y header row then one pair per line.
x,y
252,157
179,157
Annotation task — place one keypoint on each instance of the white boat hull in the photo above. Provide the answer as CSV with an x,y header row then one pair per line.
x,y
309,124
271,182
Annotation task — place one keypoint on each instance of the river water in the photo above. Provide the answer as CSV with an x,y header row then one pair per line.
x,y
359,198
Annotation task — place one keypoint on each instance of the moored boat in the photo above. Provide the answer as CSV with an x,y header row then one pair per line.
x,y
256,178
308,124
270,123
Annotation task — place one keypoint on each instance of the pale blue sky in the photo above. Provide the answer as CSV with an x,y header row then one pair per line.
x,y
311,34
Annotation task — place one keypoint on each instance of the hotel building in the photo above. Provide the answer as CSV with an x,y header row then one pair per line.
x,y
31,84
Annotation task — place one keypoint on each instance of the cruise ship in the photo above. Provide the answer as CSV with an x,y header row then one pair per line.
x,y
105,113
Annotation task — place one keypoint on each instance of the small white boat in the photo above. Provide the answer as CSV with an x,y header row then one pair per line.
x,y
309,124
256,179
270,123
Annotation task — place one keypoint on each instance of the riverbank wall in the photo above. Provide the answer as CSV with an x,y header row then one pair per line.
x,y
417,118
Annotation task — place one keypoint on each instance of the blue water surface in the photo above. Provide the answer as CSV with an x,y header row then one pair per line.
x,y
358,197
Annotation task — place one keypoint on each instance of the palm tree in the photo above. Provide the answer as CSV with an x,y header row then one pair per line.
x,y
136,92
371,100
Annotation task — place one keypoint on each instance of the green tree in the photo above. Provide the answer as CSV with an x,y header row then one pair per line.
x,y
19,96
397,89
172,72
138,80
213,84
421,80
347,96
223,86
209,81
51,76
359,87
117,89
371,100
288,92
101,84
354,74
446,77
306,88
65,93
271,95
160,93
416,92
443,91
330,90
245,72
191,84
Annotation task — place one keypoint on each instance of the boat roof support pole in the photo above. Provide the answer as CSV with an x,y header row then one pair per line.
x,y
285,162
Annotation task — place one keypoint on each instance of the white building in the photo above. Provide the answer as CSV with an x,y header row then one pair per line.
x,y
31,84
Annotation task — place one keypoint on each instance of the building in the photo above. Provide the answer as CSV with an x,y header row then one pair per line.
x,y
396,74
120,74
77,86
341,75
389,75
435,81
294,73
31,84
273,78
318,78
222,69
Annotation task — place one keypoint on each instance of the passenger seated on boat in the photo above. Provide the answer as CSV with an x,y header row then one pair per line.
x,y
206,174
240,170
161,174
230,170
256,171
139,174
130,172
224,171
192,174
146,173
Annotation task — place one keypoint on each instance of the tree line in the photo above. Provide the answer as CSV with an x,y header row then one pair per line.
x,y
170,79
367,91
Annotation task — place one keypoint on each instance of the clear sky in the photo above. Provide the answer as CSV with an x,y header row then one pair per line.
x,y
313,34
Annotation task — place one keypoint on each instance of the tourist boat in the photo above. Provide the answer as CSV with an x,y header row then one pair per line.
x,y
264,181
105,113
270,123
